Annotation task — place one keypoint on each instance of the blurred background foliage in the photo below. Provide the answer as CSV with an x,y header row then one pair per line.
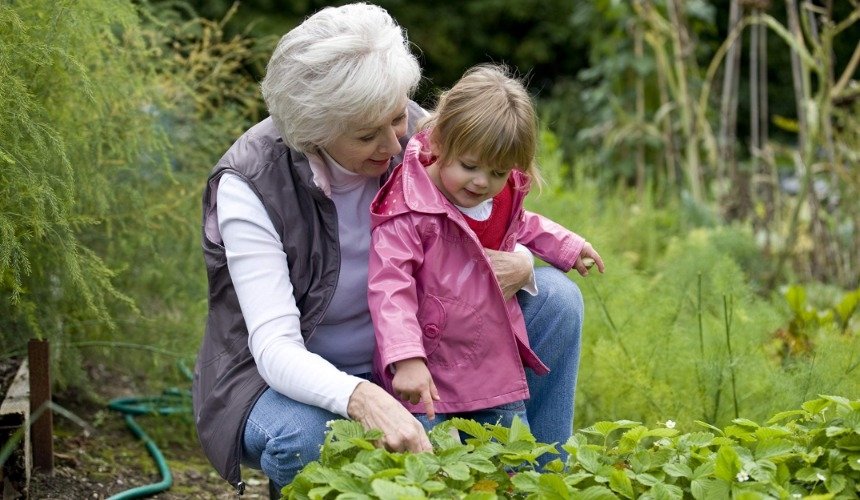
x,y
711,175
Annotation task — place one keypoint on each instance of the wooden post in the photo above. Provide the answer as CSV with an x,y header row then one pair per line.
x,y
42,430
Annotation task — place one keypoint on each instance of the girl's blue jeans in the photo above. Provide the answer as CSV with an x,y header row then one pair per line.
x,y
283,435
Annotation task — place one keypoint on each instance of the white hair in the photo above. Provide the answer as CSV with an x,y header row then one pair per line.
x,y
342,67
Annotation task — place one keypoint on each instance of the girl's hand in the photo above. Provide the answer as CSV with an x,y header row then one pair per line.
x,y
376,409
413,382
587,258
512,269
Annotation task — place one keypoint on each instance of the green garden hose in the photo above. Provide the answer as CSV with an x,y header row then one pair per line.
x,y
171,402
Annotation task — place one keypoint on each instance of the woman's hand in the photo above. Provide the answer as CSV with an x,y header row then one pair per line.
x,y
587,258
513,270
376,409
413,383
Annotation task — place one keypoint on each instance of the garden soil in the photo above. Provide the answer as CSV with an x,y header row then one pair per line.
x,y
105,458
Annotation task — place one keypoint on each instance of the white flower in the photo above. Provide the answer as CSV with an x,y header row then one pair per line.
x,y
670,424
742,476
821,477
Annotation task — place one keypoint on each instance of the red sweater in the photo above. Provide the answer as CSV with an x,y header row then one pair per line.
x,y
491,232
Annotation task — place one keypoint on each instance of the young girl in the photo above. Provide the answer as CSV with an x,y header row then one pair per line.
x,y
449,343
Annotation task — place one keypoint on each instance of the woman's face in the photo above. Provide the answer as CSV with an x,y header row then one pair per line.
x,y
367,150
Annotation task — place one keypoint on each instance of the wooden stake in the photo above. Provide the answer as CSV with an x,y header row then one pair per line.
x,y
42,430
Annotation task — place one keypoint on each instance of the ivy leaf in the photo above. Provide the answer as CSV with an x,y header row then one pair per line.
x,y
620,483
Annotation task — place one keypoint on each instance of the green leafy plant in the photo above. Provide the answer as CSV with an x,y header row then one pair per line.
x,y
813,450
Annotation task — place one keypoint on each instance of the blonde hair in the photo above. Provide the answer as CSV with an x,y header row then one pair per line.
x,y
342,66
488,113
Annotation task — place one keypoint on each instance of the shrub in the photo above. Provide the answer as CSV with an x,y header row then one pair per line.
x,y
813,450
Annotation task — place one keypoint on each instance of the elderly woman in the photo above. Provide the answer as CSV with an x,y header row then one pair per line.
x,y
286,228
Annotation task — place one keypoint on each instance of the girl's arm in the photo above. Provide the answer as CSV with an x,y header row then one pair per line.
x,y
555,244
396,251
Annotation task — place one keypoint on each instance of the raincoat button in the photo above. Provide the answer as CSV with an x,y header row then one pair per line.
x,y
431,330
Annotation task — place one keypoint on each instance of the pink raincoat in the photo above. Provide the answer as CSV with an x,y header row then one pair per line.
x,y
433,295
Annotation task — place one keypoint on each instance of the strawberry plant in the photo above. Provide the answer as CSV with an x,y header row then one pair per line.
x,y
810,452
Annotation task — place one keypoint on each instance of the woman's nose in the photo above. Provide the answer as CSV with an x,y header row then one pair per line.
x,y
390,145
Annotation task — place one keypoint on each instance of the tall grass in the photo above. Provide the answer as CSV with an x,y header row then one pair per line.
x,y
661,339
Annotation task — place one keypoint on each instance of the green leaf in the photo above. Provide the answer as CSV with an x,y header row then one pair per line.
x,y
785,415
320,492
709,489
389,490
676,469
709,426
662,432
416,471
358,469
728,464
457,471
433,486
698,439
526,482
745,422
663,491
703,470
471,428
552,486
774,449
479,463
815,406
835,483
589,459
520,432
620,483
596,493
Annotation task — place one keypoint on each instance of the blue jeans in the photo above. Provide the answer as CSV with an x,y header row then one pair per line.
x,y
283,435
502,415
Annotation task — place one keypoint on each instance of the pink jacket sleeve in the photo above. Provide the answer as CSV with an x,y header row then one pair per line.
x,y
395,251
550,241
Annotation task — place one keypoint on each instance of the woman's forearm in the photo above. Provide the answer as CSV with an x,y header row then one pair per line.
x,y
259,271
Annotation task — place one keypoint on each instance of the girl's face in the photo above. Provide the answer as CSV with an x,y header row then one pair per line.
x,y
367,150
467,183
